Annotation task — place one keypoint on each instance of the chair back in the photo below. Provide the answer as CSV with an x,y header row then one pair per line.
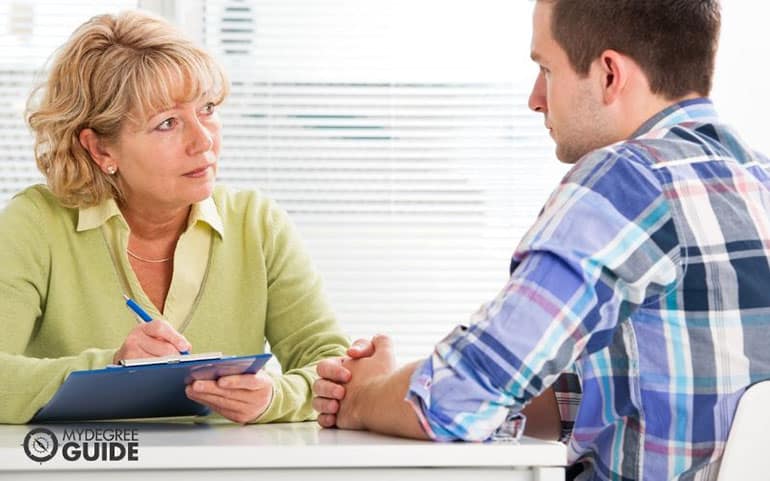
x,y
746,455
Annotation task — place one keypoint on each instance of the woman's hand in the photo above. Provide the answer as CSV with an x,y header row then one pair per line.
x,y
152,339
241,398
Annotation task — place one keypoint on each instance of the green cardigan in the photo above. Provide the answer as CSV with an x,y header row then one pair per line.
x,y
61,308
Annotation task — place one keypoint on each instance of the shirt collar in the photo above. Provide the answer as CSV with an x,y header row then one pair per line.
x,y
95,216
206,211
692,110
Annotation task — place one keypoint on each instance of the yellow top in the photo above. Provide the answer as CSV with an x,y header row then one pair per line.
x,y
61,308
190,257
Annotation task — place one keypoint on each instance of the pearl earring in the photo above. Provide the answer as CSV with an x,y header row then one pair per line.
x,y
111,169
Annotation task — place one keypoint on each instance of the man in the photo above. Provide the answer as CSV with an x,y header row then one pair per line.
x,y
637,305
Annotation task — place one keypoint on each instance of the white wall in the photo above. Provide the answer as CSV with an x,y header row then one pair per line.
x,y
742,83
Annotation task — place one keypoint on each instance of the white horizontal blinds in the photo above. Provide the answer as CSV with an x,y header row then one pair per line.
x,y
17,165
397,136
30,30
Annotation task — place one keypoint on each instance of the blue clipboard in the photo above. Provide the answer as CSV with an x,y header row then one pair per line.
x,y
140,391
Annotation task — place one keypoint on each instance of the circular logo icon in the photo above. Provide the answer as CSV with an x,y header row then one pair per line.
x,y
40,445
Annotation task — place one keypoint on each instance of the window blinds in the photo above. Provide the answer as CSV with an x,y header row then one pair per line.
x,y
395,133
30,30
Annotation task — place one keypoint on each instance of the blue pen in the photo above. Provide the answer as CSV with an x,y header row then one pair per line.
x,y
142,313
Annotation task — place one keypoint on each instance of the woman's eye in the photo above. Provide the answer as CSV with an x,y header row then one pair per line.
x,y
167,124
209,108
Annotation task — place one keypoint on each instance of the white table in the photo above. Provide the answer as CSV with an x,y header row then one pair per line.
x,y
298,451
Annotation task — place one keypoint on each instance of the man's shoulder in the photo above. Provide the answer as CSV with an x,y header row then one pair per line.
x,y
667,148
621,163
693,142
645,152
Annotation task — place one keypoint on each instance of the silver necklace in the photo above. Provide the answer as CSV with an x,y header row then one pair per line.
x,y
144,259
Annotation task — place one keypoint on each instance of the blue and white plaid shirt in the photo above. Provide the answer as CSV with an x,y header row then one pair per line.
x,y
645,283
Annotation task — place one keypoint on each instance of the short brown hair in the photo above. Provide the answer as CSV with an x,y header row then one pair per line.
x,y
673,41
113,69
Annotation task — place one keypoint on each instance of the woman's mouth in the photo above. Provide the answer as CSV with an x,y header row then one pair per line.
x,y
199,172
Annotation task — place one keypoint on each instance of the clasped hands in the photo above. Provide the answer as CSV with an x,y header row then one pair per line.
x,y
340,392
240,398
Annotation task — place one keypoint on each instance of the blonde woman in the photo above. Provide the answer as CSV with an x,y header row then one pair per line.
x,y
128,137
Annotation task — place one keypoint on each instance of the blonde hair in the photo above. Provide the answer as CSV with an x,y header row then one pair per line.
x,y
113,69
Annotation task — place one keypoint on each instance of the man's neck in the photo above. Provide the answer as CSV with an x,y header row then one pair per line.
x,y
642,108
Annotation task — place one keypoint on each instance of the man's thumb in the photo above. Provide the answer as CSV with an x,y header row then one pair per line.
x,y
361,348
382,343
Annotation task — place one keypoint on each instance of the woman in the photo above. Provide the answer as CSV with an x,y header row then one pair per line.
x,y
128,138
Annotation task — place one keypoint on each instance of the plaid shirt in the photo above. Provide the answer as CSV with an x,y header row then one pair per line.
x,y
641,294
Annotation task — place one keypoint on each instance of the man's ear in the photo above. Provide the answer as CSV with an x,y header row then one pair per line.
x,y
99,153
614,72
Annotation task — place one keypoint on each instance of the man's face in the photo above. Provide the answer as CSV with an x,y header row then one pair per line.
x,y
572,104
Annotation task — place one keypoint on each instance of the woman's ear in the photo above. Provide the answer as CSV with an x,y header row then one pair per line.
x,y
614,71
98,151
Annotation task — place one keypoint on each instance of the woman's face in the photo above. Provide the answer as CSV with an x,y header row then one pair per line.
x,y
170,161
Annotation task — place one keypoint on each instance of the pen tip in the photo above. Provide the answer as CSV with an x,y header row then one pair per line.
x,y
125,297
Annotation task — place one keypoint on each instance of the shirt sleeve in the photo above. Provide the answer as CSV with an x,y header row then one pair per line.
x,y
604,243
27,382
301,326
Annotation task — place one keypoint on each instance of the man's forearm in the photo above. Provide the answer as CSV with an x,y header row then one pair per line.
x,y
381,406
